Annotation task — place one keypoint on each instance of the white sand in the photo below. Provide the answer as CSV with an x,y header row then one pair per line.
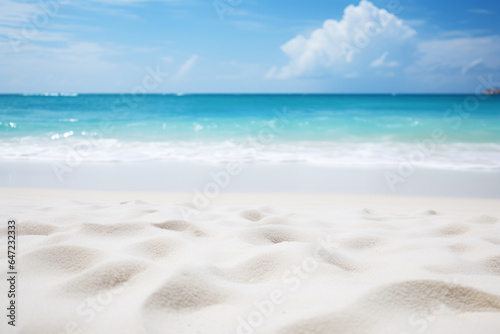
x,y
104,262
289,178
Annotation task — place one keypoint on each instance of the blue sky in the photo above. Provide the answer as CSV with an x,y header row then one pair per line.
x,y
404,46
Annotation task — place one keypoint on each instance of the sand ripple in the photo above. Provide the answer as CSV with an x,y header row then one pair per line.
x,y
143,268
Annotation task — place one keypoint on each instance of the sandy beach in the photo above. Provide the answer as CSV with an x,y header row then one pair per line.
x,y
150,262
249,167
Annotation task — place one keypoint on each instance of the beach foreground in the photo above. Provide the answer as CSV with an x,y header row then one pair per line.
x,y
124,262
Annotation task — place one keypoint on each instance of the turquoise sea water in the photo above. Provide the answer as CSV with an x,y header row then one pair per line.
x,y
452,131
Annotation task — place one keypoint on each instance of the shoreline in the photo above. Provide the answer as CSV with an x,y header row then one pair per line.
x,y
179,177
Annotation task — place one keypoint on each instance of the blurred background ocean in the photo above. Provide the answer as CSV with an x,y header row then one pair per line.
x,y
340,130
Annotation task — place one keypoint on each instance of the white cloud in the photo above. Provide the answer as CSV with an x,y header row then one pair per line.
x,y
63,68
187,66
167,59
23,24
15,14
128,2
345,45
380,62
385,74
460,53
415,23
473,64
351,75
455,62
481,11
463,33
17,37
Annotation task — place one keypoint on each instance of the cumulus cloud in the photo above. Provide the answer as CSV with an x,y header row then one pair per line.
x,y
340,47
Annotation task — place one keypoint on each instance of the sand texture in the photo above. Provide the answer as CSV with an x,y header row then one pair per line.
x,y
136,267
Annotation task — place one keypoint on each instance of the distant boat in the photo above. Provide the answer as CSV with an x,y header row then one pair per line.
x,y
492,91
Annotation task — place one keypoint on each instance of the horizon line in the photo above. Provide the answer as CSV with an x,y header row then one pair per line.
x,y
73,94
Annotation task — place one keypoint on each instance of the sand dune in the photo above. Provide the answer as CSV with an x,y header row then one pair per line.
x,y
136,267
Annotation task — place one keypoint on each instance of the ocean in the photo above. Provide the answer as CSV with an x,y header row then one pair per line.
x,y
431,131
